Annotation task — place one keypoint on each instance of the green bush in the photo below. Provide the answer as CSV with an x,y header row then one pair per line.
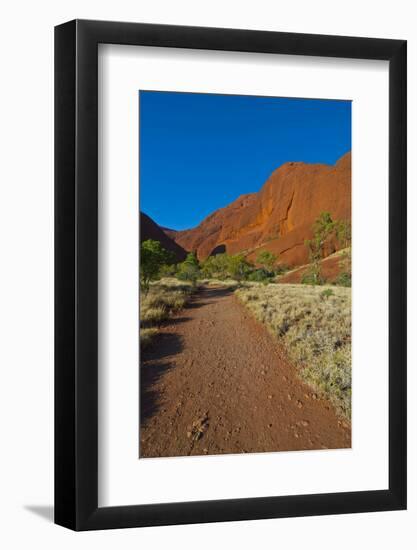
x,y
260,276
326,293
152,257
239,268
168,270
313,276
189,269
344,279
344,233
281,269
216,267
267,260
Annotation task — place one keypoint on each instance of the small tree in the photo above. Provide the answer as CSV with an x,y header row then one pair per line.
x,y
313,275
323,227
344,233
168,270
152,257
260,276
267,260
189,269
239,267
216,267
192,259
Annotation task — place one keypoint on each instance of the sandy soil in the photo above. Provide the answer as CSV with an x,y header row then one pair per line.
x,y
215,381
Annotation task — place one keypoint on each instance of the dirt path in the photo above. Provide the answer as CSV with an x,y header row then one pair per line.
x,y
216,382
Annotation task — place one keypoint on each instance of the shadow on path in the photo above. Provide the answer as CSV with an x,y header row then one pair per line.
x,y
158,358
155,362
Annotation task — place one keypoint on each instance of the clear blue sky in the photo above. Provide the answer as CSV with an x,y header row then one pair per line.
x,y
199,152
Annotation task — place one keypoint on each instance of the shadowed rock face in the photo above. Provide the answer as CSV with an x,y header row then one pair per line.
x,y
279,217
150,230
220,249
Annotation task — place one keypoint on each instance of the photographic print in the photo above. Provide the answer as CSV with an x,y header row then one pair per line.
x,y
245,274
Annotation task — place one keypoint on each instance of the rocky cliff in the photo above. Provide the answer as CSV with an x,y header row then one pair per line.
x,y
278,217
151,230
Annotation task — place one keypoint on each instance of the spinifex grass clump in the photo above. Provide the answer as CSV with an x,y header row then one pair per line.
x,y
163,298
314,326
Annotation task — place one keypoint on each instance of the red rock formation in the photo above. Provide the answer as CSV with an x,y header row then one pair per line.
x,y
279,217
330,269
150,230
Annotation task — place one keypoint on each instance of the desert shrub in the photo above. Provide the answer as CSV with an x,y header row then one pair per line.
x,y
146,336
267,260
324,227
170,299
188,273
280,269
167,270
152,257
260,276
216,267
163,298
189,269
315,332
344,233
313,276
344,279
326,293
239,268
224,266
345,264
153,315
231,284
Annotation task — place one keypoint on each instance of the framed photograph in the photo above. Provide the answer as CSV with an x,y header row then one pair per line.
x,y
230,284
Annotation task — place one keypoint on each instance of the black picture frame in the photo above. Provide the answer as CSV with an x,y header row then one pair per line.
x,y
76,272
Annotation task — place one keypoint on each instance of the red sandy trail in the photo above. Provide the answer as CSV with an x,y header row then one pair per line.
x,y
214,381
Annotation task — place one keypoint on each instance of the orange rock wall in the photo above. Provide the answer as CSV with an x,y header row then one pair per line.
x,y
279,217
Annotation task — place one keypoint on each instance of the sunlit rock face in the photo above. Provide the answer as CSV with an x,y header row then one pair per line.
x,y
279,217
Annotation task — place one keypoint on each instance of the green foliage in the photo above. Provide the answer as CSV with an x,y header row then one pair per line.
x,y
326,293
323,225
266,259
344,233
191,259
188,272
312,275
168,270
223,266
344,279
239,268
281,269
216,267
260,276
152,257
323,228
189,269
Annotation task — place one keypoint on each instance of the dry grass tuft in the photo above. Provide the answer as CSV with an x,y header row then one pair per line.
x,y
164,298
314,325
146,336
228,283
